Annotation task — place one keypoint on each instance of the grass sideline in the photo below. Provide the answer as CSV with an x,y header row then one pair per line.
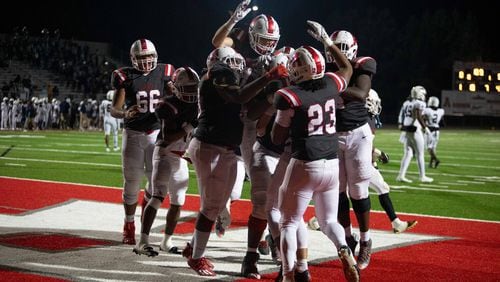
x,y
466,182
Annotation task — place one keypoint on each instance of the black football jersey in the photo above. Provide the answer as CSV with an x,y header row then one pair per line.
x,y
178,111
313,124
354,113
144,91
219,122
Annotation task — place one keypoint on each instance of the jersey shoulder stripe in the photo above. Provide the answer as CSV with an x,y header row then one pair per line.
x,y
290,96
339,80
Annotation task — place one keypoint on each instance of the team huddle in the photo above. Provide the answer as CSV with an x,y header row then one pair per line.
x,y
299,122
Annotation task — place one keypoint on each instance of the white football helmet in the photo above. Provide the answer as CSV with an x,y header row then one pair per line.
x,y
279,59
346,42
264,34
110,95
433,102
227,55
287,50
186,82
373,103
418,92
143,55
307,63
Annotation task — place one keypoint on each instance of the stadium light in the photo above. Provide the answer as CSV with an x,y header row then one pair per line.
x,y
487,87
472,87
460,87
468,76
255,8
461,74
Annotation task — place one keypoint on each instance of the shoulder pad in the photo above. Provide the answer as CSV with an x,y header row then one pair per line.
x,y
367,64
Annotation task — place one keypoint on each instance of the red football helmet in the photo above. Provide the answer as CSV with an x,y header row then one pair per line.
x,y
143,55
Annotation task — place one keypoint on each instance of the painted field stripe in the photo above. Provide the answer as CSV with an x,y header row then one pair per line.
x,y
432,185
434,173
61,162
470,182
88,278
102,153
55,266
454,191
453,183
12,164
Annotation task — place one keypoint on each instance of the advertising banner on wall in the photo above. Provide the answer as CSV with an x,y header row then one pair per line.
x,y
456,103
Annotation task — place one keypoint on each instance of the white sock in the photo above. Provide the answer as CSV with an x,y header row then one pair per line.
x,y
144,239
168,241
301,265
365,236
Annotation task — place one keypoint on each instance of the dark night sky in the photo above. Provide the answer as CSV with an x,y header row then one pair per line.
x,y
393,32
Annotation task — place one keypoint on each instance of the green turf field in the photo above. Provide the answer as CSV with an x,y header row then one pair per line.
x,y
466,183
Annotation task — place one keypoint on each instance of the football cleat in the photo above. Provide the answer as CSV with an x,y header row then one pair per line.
x,y
116,149
145,249
314,224
202,266
403,179
188,251
302,276
129,233
263,248
351,270
365,252
425,179
167,246
352,242
384,157
108,150
249,266
219,229
407,225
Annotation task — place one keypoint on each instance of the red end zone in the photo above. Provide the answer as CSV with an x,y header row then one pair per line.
x,y
472,256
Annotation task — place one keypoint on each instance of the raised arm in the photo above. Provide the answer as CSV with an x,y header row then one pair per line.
x,y
221,35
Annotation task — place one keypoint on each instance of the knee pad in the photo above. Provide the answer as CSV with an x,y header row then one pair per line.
x,y
361,206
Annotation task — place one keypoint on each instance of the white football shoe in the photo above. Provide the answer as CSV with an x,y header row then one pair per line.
x,y
403,179
426,179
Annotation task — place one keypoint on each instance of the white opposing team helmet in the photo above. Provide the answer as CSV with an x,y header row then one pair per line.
x,y
186,82
418,92
287,50
346,42
110,95
433,102
227,55
279,59
373,103
143,55
306,63
264,33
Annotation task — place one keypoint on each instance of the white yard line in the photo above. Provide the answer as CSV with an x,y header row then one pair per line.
x,y
60,162
12,164
453,191
470,182
55,266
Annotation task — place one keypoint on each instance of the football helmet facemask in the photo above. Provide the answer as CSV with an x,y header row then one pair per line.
x,y
143,55
306,63
347,44
186,82
373,103
227,55
418,92
263,34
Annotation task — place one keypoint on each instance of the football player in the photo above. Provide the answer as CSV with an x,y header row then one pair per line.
x,y
306,113
110,123
140,89
170,171
414,126
355,144
215,140
432,117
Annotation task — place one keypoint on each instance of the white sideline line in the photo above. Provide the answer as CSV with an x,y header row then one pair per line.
x,y
60,162
453,191
93,270
470,182
435,173
101,153
432,185
453,183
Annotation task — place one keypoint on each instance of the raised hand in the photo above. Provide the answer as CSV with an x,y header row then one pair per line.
x,y
241,11
319,33
277,72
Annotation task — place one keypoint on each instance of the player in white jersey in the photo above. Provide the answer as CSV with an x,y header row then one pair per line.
x,y
15,114
5,114
432,117
414,126
110,123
